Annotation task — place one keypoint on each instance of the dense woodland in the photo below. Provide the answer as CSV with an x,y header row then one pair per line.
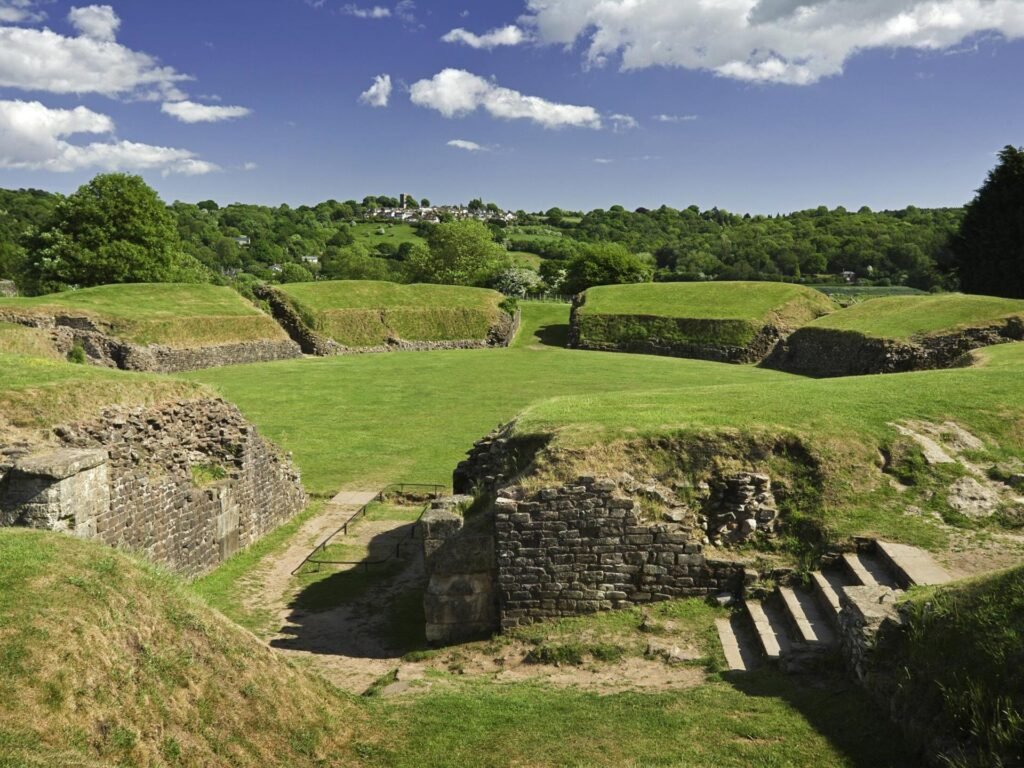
x,y
45,239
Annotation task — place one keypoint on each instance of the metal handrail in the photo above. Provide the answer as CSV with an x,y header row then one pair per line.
x,y
436,490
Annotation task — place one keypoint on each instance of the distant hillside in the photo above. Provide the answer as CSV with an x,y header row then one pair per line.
x,y
105,661
729,322
371,313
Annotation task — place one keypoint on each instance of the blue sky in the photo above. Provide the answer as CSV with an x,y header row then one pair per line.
x,y
773,105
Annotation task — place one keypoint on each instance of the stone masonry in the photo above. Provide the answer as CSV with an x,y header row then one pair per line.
x,y
129,479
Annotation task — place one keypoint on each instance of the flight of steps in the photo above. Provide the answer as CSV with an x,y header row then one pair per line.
x,y
794,624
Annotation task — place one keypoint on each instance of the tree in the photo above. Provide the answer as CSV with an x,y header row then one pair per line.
x,y
459,253
112,230
425,203
476,204
517,281
295,273
604,264
989,248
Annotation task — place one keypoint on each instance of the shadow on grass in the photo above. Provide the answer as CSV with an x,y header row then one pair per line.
x,y
553,335
371,610
838,710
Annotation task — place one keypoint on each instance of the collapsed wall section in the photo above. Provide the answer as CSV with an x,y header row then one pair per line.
x,y
186,484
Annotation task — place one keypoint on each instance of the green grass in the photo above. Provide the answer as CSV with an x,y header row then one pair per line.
x,y
369,420
749,302
861,292
395,234
904,317
363,313
22,340
41,392
155,313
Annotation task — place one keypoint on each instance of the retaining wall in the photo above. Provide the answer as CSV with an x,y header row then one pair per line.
x,y
129,479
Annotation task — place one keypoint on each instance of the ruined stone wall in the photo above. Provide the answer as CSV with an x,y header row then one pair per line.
x,y
584,548
139,491
825,353
67,331
655,335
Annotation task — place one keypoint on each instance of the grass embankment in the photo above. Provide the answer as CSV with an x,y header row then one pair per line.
x,y
38,392
22,340
175,315
979,700
730,314
106,661
367,313
902,318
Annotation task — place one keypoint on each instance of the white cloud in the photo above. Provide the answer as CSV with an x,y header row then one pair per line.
x,y
603,161
376,12
782,41
98,22
675,118
622,123
406,11
456,93
190,112
378,94
33,137
42,60
250,166
510,35
19,11
469,146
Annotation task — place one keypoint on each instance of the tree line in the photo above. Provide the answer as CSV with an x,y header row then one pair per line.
x,y
116,229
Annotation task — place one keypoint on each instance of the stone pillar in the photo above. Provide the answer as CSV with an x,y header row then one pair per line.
x,y
65,490
461,599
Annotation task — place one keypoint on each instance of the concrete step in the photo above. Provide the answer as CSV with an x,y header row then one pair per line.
x,y
742,651
806,619
770,626
910,565
826,586
856,569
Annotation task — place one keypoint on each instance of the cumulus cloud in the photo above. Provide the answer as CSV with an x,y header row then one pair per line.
x,y
456,93
622,123
378,94
781,41
510,35
19,11
34,137
42,60
376,12
469,146
675,118
96,21
190,112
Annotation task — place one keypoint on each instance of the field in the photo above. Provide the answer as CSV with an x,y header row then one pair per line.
x,y
394,234
904,317
176,315
21,340
369,313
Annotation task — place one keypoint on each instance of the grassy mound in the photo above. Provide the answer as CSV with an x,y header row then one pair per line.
x,y
175,315
106,661
36,392
21,340
679,318
365,313
904,318
978,701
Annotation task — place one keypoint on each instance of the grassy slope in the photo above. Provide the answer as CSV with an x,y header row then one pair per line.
x,y
360,313
369,420
106,661
396,234
172,314
21,340
38,392
903,317
701,313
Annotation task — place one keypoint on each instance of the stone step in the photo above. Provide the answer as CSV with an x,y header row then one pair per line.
x,y
911,565
770,626
731,646
826,589
807,620
856,568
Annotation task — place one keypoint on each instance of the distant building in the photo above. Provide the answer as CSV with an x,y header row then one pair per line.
x,y
850,277
243,242
311,259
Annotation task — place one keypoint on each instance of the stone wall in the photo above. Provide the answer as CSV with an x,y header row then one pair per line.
x,y
655,335
67,331
290,317
823,352
129,479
